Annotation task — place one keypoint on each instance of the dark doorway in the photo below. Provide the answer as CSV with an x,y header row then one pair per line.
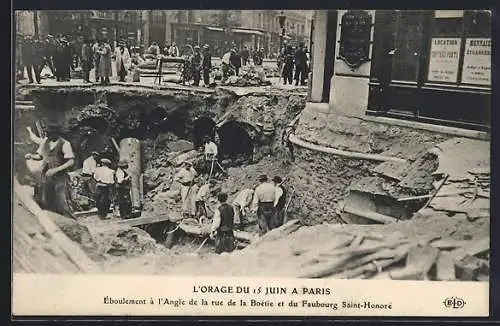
x,y
234,141
203,127
331,42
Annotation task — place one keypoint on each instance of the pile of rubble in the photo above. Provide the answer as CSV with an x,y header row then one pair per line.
x,y
250,77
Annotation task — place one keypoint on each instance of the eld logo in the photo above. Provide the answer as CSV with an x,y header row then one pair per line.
x,y
454,302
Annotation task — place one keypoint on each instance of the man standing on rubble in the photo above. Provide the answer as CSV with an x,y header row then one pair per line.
x,y
263,204
241,205
279,202
105,179
222,226
202,197
197,65
123,187
52,188
186,177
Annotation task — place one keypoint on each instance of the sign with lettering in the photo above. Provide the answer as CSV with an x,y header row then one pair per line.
x,y
477,61
443,61
355,38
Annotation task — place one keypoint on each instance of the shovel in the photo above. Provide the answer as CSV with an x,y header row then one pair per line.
x,y
196,252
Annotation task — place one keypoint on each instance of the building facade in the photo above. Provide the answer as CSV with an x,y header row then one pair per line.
x,y
429,66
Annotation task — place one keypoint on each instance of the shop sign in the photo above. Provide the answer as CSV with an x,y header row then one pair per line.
x,y
477,61
355,38
443,61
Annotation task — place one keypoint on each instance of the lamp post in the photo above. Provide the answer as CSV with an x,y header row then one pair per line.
x,y
281,21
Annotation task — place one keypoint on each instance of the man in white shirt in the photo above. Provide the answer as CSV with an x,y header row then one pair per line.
x,y
185,177
226,64
263,203
105,179
52,190
241,205
279,202
88,169
123,186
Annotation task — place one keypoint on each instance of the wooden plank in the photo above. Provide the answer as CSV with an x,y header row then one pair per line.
x,y
72,250
144,220
377,217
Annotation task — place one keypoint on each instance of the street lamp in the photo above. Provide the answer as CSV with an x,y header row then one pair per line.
x,y
281,21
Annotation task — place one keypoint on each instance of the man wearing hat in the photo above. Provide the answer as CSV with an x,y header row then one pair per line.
x,y
263,204
235,60
52,189
122,60
105,179
186,177
87,58
206,64
223,225
123,186
196,62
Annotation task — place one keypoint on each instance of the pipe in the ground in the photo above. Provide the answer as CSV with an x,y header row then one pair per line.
x,y
362,156
130,150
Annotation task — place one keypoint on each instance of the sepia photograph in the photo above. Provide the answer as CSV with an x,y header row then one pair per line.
x,y
284,144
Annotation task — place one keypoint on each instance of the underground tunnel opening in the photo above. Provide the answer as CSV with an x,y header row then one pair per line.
x,y
235,141
203,127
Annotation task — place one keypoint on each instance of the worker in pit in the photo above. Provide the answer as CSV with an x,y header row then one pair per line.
x,y
211,153
279,202
285,140
263,203
241,205
52,190
202,197
123,188
222,226
88,169
105,179
186,177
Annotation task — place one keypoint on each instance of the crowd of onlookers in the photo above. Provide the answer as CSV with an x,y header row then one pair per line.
x,y
62,54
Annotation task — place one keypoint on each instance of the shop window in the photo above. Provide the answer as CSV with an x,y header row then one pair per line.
x,y
460,49
407,45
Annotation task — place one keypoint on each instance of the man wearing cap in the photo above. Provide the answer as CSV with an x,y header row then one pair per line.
x,y
123,186
222,226
196,62
87,58
185,177
263,204
122,61
207,65
279,202
88,169
105,178
104,69
241,205
52,189
202,197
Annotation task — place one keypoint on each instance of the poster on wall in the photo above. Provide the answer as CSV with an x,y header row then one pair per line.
x,y
477,62
443,62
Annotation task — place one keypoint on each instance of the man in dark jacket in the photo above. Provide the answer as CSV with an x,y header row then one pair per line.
x,y
244,56
223,225
288,59
235,60
87,60
196,62
300,65
29,61
206,64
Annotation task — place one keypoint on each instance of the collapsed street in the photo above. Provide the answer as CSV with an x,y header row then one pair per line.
x,y
365,199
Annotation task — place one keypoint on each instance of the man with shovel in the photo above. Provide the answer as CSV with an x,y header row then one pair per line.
x,y
263,204
223,225
186,177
